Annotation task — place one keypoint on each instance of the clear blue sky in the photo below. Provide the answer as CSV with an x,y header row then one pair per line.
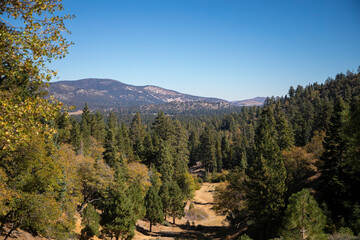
x,y
229,49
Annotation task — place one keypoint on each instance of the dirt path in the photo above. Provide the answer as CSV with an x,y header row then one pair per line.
x,y
200,222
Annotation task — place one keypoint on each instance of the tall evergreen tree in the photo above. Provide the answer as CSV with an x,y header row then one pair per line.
x,y
163,127
137,135
218,155
98,130
110,154
285,135
154,208
352,165
193,144
137,131
86,114
334,156
123,143
149,151
180,150
304,218
267,174
206,151
75,137
90,219
135,193
176,208
85,135
112,122
64,125
118,217
225,152
164,162
164,194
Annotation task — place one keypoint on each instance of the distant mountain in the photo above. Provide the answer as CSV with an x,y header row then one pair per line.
x,y
258,101
108,94
112,94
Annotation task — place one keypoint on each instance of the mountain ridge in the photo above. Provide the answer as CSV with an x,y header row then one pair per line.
x,y
104,93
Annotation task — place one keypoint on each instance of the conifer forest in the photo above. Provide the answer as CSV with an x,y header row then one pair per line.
x,y
289,169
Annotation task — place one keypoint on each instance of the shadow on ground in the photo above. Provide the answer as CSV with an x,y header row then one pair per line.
x,y
190,232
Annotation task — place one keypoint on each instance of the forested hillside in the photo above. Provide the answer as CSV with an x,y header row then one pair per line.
x,y
289,169
296,155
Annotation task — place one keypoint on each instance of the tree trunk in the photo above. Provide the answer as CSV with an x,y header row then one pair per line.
x,y
4,220
267,230
150,226
81,207
117,236
11,230
165,216
173,220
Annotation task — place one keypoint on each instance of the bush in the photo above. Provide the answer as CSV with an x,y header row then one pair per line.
x,y
91,222
197,181
341,236
207,177
244,237
219,177
166,224
196,214
346,231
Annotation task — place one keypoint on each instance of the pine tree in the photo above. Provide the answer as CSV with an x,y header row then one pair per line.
x,y
155,179
164,162
267,174
154,209
135,193
137,135
225,152
180,151
206,151
304,218
90,219
123,143
110,154
118,217
236,156
285,135
164,194
176,208
148,153
85,135
163,127
193,144
63,124
86,113
352,164
334,157
218,156
75,137
137,131
112,122
98,130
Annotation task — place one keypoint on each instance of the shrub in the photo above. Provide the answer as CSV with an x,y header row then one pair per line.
x,y
219,177
244,237
166,224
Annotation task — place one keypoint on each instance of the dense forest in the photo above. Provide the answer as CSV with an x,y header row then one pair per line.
x,y
290,169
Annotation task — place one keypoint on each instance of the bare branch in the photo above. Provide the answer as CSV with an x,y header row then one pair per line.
x,y
7,22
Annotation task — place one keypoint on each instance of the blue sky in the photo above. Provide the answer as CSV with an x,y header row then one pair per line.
x,y
229,49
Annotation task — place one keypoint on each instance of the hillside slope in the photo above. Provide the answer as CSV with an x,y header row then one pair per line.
x,y
112,94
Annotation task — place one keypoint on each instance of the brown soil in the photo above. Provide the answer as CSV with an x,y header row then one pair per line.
x,y
203,222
